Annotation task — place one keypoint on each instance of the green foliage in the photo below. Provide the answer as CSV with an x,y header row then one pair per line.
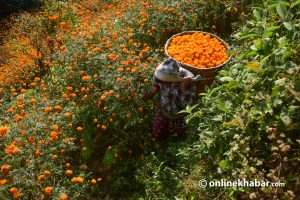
x,y
158,21
248,124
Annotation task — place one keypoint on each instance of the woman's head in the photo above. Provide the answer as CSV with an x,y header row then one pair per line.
x,y
170,67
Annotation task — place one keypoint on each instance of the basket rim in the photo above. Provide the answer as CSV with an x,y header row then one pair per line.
x,y
191,66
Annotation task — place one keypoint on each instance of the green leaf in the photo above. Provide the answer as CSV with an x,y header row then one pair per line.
x,y
249,35
277,3
211,92
295,3
223,164
281,10
267,34
222,106
257,14
288,25
272,28
226,78
189,109
247,54
286,120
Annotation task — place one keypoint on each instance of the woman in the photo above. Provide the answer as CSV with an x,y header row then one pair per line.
x,y
177,91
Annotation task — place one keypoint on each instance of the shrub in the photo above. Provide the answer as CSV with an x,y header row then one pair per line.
x,y
255,109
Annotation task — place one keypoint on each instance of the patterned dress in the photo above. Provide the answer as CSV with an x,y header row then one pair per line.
x,y
168,122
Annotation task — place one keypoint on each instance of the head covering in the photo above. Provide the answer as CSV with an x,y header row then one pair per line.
x,y
170,71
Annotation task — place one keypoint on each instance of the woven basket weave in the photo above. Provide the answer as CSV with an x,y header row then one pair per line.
x,y
204,72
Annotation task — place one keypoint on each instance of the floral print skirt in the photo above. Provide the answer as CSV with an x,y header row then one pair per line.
x,y
165,127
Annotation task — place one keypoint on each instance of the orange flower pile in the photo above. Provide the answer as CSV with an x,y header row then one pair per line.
x,y
198,49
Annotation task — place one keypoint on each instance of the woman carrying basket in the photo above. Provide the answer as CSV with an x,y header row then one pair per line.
x,y
177,90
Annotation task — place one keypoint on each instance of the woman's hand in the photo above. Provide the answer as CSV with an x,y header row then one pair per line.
x,y
186,83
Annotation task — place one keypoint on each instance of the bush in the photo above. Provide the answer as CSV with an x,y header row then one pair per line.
x,y
255,109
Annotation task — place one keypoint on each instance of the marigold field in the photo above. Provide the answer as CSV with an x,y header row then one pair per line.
x,y
73,124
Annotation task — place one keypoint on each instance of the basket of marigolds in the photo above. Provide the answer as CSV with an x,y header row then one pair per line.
x,y
200,52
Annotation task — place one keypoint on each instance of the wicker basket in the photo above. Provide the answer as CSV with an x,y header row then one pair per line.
x,y
204,72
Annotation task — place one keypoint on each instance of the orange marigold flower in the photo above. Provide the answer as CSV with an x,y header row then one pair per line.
x,y
68,115
63,151
53,136
38,152
16,195
140,109
69,172
58,107
55,127
3,131
13,189
3,182
63,196
16,150
93,181
69,88
47,172
118,79
79,128
48,109
12,149
77,180
48,190
23,91
5,168
86,78
103,127
121,69
10,110
31,139
83,89
41,177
